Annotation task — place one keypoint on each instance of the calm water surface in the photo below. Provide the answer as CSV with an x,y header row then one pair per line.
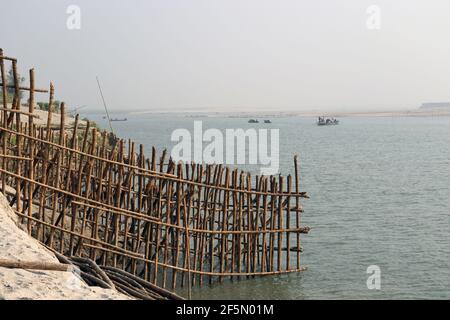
x,y
380,195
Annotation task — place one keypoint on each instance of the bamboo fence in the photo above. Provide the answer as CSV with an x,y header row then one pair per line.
x,y
85,193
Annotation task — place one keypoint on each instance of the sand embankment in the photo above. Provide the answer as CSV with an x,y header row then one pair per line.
x,y
41,117
15,244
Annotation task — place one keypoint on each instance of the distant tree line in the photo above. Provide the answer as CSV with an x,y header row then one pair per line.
x,y
10,82
44,106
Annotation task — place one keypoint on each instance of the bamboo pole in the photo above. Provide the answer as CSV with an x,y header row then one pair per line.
x,y
25,88
288,225
34,265
50,109
16,106
31,150
178,190
297,207
224,237
280,223
5,116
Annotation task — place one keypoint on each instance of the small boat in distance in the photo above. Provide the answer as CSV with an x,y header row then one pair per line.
x,y
267,121
115,119
327,121
253,121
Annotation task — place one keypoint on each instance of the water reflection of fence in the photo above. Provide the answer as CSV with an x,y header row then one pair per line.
x,y
85,193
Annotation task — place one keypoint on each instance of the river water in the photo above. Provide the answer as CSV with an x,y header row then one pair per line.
x,y
380,195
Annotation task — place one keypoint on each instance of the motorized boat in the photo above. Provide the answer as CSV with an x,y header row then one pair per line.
x,y
327,121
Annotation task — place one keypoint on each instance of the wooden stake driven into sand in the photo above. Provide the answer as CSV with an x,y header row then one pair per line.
x,y
90,195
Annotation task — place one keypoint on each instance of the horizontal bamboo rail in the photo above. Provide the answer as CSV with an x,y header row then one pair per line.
x,y
19,111
25,88
7,58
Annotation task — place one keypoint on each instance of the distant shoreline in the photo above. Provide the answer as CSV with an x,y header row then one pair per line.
x,y
230,114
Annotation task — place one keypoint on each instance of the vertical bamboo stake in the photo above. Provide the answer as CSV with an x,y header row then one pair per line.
x,y
273,187
264,226
203,246
45,164
255,223
280,224
16,106
224,237
76,188
98,194
297,207
5,118
198,236
56,180
109,195
249,223
131,155
117,217
81,175
159,231
50,109
288,222
239,224
140,206
217,182
234,220
124,201
149,193
88,178
167,228
188,251
31,151
179,188
188,210
62,157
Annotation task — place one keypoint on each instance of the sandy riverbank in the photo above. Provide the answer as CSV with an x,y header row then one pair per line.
x,y
41,117
15,244
407,113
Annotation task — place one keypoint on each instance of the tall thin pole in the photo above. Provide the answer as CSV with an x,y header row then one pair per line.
x,y
5,116
104,104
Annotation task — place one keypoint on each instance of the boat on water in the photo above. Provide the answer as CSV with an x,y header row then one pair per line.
x,y
327,121
124,119
267,121
253,121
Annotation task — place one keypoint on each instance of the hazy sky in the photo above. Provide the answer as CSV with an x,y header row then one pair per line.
x,y
235,54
